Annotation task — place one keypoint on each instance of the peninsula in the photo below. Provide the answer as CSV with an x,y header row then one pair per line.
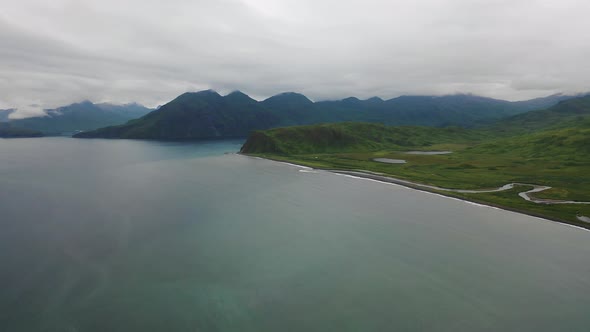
x,y
540,159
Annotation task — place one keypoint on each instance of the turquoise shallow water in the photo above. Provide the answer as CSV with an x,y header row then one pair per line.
x,y
100,235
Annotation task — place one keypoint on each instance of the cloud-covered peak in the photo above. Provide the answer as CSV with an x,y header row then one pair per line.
x,y
58,52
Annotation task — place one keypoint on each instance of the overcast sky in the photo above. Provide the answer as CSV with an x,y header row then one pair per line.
x,y
149,51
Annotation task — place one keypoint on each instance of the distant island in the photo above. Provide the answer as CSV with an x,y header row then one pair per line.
x,y
208,115
545,148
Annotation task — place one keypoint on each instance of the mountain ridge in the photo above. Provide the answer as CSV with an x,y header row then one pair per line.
x,y
7,130
81,116
207,114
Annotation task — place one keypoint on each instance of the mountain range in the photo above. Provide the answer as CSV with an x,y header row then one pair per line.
x,y
207,114
566,124
9,131
79,117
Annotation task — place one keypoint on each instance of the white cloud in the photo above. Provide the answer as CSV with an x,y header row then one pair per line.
x,y
59,52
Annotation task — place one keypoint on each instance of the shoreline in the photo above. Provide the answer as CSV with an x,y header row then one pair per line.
x,y
524,194
431,189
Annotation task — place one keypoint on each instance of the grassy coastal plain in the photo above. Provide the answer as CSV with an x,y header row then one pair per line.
x,y
555,155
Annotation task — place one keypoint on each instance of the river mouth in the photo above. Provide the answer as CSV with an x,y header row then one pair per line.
x,y
428,153
389,161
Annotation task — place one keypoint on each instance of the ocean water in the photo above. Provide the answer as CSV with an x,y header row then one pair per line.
x,y
117,235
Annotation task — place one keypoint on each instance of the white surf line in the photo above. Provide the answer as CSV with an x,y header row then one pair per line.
x,y
411,186
386,178
278,161
294,165
584,218
525,194
399,185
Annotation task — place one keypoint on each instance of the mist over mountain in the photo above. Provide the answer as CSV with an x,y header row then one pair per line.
x,y
5,114
81,116
574,112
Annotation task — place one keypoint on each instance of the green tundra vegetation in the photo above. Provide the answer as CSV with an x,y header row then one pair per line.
x,y
549,147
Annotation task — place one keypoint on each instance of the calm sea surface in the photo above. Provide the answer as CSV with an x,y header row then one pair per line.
x,y
116,235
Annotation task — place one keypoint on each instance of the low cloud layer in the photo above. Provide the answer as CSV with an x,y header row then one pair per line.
x,y
57,52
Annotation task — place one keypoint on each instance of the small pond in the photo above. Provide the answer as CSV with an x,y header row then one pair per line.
x,y
429,152
390,161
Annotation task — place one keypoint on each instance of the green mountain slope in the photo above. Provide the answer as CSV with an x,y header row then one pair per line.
x,y
453,110
204,114
208,115
82,116
292,109
559,130
568,113
349,136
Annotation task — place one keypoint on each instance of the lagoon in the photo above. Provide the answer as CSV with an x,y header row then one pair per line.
x,y
122,235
